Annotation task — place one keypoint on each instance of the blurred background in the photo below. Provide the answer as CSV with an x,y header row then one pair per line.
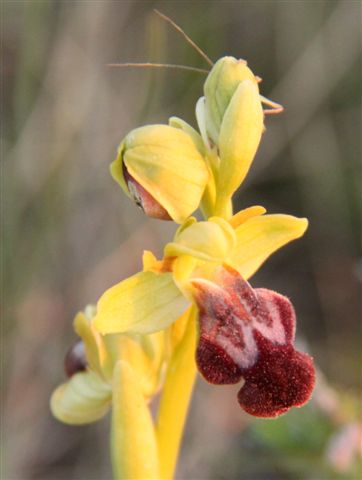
x,y
69,232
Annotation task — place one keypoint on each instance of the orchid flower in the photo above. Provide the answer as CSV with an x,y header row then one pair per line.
x,y
193,308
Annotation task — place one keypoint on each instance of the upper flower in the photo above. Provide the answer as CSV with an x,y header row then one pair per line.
x,y
157,162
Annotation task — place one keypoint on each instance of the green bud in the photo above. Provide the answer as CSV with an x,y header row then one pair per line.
x,y
220,86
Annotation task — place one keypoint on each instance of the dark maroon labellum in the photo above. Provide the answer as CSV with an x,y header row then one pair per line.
x,y
75,360
143,199
248,334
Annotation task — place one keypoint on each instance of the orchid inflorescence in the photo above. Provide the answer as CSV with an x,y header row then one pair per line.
x,y
194,307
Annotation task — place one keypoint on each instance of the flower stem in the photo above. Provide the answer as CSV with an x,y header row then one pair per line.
x,y
133,441
175,399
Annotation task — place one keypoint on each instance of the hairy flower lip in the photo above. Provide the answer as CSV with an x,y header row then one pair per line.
x,y
281,378
248,334
144,200
215,365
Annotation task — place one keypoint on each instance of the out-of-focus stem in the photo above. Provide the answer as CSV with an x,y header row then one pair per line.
x,y
133,442
175,399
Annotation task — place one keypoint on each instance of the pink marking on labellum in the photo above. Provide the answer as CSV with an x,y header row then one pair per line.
x,y
248,333
143,199
75,360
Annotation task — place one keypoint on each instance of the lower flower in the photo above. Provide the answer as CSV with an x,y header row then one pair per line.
x,y
244,333
91,364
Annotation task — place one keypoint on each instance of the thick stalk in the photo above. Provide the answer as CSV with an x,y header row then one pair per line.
x,y
223,207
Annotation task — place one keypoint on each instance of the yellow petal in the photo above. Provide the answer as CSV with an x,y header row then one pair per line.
x,y
116,169
95,349
144,303
211,241
260,236
85,398
201,121
245,214
182,125
134,446
240,135
149,261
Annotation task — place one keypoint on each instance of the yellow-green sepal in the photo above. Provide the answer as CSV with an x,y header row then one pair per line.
x,y
260,236
85,398
116,169
143,303
166,162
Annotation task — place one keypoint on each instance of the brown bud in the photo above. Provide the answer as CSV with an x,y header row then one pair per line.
x,y
75,360
143,199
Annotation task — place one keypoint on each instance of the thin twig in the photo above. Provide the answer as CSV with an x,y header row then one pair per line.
x,y
276,107
187,38
158,65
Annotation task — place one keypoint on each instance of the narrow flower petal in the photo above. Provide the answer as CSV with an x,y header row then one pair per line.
x,y
201,121
260,236
246,214
96,352
134,446
144,303
240,135
85,398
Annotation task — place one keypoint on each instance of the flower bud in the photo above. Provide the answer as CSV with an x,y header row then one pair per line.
x,y
220,86
162,169
75,360
231,119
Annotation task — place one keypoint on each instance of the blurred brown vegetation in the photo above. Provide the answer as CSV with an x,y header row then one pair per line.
x,y
69,233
